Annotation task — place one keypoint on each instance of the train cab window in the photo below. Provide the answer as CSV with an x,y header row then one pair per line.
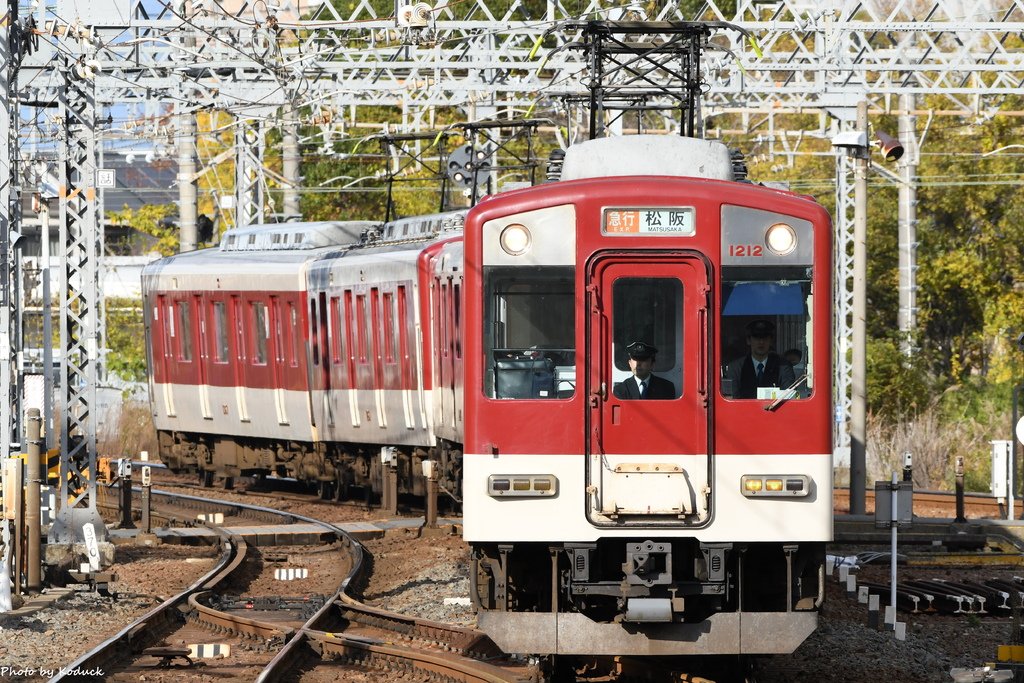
x,y
529,332
766,349
184,331
260,332
220,332
648,310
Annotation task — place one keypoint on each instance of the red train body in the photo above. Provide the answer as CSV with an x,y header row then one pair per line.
x,y
694,524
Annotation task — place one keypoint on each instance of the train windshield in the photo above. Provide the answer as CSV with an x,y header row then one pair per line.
x,y
766,332
529,332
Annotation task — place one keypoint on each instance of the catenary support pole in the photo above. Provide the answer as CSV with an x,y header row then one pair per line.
x,y
858,405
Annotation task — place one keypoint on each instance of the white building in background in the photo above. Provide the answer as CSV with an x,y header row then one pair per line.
x,y
121,276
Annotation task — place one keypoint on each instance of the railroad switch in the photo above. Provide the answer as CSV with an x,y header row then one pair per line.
x,y
97,581
167,655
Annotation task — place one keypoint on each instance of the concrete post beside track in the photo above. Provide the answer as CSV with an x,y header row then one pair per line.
x,y
146,485
392,488
18,505
960,518
430,474
33,522
125,476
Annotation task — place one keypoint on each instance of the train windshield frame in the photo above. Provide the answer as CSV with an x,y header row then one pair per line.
x,y
529,332
774,302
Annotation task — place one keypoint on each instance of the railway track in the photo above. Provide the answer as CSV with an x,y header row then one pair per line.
x,y
342,633
938,504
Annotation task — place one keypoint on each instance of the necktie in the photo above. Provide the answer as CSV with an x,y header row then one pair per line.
x,y
643,389
760,372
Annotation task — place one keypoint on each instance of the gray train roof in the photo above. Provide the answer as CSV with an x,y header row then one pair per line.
x,y
278,255
663,155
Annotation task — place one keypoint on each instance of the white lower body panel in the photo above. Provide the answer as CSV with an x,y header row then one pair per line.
x,y
563,517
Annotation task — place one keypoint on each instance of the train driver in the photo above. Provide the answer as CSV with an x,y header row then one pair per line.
x,y
761,367
643,383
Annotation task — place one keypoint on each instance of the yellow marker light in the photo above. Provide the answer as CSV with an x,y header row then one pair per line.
x,y
515,239
768,486
780,239
522,485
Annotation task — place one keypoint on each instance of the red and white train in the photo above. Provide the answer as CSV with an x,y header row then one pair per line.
x,y
490,342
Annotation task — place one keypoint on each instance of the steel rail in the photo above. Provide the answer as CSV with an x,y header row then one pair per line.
x,y
236,624
454,658
382,654
135,635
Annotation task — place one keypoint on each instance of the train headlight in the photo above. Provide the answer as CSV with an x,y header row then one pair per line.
x,y
775,485
522,485
515,239
780,239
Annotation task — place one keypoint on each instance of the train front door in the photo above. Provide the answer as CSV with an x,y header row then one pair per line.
x,y
649,459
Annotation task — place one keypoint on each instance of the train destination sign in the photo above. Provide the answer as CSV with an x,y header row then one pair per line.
x,y
672,222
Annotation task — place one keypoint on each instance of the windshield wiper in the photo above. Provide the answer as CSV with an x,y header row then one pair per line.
x,y
782,399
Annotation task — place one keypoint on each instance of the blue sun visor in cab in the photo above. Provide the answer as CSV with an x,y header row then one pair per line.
x,y
763,298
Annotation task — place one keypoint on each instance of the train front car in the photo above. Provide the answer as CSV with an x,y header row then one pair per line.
x,y
691,523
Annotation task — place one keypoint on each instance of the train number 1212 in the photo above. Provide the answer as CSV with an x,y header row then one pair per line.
x,y
746,250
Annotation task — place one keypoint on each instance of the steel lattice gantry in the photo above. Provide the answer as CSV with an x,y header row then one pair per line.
x,y
808,56
80,305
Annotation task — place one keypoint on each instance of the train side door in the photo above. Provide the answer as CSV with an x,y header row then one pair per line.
x,y
277,358
164,310
649,458
199,306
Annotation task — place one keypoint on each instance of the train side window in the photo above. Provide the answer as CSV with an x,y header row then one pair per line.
x,y
336,329
278,331
388,318
445,338
403,337
236,314
375,352
220,332
529,332
314,339
456,307
165,308
260,332
349,331
184,332
293,335
766,318
361,327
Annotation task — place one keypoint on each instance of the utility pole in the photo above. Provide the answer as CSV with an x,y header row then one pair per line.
x,y
290,166
859,394
906,317
187,185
